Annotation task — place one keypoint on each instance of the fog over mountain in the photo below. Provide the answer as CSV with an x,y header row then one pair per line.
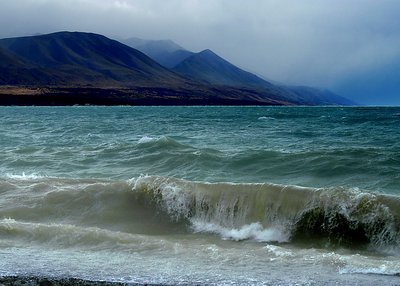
x,y
349,47
165,52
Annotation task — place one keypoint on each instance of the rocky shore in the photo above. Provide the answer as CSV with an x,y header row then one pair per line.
x,y
42,281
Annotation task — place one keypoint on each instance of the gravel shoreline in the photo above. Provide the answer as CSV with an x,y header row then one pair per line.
x,y
43,281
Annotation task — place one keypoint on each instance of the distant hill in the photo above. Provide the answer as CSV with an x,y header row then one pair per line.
x,y
208,67
81,58
67,68
306,95
165,52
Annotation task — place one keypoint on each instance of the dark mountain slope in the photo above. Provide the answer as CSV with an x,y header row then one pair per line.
x,y
306,95
9,60
208,67
14,70
165,52
172,59
87,58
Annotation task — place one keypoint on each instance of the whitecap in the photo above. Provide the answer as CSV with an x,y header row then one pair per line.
x,y
265,118
24,176
254,231
146,139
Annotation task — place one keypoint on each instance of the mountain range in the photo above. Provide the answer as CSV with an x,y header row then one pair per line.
x,y
86,68
165,52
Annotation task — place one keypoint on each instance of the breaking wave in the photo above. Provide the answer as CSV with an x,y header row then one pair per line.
x,y
281,213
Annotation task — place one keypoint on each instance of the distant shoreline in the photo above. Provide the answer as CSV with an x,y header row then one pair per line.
x,y
142,96
130,96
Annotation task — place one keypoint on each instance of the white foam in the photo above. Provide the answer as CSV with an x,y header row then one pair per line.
x,y
175,200
24,176
278,251
146,139
253,231
381,270
360,264
265,118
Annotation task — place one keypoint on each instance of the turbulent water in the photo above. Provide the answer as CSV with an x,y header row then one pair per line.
x,y
201,195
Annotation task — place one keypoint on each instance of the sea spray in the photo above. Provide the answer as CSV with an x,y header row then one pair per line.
x,y
254,231
349,216
333,216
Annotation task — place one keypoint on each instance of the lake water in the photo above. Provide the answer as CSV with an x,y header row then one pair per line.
x,y
201,195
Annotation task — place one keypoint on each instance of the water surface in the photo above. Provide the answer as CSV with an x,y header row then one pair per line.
x,y
208,195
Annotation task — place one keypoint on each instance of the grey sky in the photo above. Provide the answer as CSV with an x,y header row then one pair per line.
x,y
351,47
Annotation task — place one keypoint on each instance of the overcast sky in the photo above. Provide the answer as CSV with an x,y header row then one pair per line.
x,y
351,47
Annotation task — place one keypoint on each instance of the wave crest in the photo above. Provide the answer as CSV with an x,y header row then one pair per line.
x,y
162,142
327,216
260,212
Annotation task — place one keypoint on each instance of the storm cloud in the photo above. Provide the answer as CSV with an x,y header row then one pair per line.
x,y
350,47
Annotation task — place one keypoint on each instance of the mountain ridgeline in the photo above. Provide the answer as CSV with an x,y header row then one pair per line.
x,y
83,58
208,67
68,68
165,52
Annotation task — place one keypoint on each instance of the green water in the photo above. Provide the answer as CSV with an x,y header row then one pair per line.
x,y
352,147
201,195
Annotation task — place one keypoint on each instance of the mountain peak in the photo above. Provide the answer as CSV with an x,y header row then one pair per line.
x,y
207,66
207,52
